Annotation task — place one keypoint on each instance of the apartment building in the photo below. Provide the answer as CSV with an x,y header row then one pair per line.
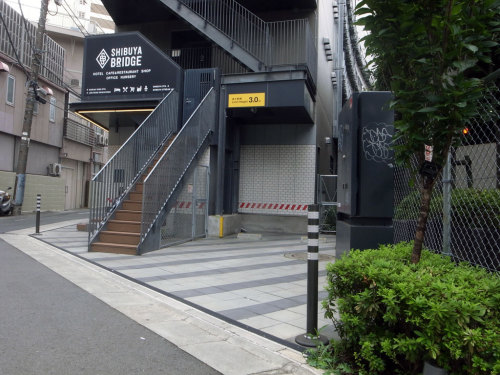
x,y
259,72
81,145
43,166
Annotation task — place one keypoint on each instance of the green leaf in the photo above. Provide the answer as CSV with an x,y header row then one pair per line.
x,y
471,47
489,43
465,64
362,11
427,109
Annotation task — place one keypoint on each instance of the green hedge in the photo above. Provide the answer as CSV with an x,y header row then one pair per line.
x,y
474,207
394,315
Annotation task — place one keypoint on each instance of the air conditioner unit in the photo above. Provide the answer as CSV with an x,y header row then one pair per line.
x,y
55,169
106,141
99,139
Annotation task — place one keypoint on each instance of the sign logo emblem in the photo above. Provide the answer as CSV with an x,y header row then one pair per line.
x,y
102,58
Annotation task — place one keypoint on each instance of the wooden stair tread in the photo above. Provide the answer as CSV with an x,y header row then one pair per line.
x,y
130,211
118,221
124,245
134,209
120,233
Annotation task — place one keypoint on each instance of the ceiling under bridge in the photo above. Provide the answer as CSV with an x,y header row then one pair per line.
x,y
126,12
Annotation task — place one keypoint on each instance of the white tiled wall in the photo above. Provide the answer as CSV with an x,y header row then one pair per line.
x,y
282,175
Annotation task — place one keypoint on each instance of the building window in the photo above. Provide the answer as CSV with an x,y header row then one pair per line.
x,y
35,108
52,110
11,89
81,15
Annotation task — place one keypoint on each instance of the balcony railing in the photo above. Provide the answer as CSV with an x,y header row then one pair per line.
x,y
80,133
22,35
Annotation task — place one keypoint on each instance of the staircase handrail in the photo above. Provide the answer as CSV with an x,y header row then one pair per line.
x,y
113,182
255,35
162,181
234,20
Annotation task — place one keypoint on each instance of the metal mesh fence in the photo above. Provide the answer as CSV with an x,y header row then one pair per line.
x,y
464,218
327,201
187,219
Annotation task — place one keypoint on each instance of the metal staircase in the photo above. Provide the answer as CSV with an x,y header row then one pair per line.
x,y
114,183
166,179
259,45
134,191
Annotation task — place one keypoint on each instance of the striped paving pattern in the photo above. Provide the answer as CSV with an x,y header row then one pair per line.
x,y
243,280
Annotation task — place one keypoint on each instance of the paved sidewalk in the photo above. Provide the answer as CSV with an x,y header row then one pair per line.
x,y
260,284
48,325
253,289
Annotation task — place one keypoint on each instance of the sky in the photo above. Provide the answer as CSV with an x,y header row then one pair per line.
x,y
31,8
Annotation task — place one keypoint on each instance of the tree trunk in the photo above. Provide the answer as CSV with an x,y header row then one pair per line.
x,y
425,204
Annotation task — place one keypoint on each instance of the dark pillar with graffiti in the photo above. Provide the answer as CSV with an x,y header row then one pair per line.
x,y
365,184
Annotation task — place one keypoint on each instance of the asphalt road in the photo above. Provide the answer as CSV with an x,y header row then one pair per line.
x,y
24,221
50,326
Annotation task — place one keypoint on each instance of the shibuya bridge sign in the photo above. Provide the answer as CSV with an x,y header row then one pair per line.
x,y
126,66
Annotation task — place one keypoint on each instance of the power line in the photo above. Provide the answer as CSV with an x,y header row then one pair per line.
x,y
72,15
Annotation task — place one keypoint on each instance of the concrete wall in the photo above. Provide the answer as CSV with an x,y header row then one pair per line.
x,y
46,136
73,56
39,157
325,95
7,179
76,151
7,147
43,130
11,115
51,189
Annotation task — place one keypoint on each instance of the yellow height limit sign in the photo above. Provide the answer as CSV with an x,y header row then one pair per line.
x,y
256,99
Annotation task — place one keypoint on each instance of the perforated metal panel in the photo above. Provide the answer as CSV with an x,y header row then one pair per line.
x,y
197,83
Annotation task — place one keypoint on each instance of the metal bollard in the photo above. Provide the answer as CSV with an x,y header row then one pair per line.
x,y
38,203
312,338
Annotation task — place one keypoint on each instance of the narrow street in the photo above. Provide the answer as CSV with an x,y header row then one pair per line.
x,y
50,326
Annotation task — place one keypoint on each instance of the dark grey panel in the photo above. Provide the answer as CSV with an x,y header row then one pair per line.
x,y
126,12
286,102
278,5
197,83
361,236
277,134
365,183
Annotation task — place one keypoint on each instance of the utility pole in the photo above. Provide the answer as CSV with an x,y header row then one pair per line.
x,y
36,62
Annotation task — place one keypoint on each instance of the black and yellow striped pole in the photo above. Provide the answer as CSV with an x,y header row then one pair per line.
x,y
312,338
